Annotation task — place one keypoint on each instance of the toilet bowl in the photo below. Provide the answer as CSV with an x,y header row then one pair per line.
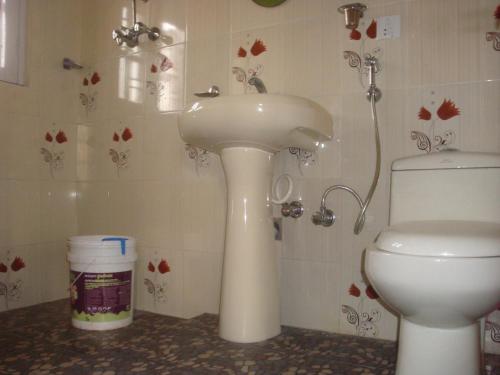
x,y
441,276
438,263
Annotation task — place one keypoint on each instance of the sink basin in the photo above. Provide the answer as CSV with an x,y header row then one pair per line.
x,y
263,121
247,130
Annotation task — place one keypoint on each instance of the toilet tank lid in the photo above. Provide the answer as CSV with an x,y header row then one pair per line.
x,y
442,238
449,159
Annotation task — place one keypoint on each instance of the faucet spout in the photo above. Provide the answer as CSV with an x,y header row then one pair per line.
x,y
259,85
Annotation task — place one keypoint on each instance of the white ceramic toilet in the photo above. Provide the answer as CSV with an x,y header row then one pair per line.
x,y
438,263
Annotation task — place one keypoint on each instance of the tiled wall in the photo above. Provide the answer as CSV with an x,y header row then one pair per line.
x,y
154,191
38,198
134,175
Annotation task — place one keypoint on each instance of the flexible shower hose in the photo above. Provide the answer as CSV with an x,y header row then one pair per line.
x,y
360,221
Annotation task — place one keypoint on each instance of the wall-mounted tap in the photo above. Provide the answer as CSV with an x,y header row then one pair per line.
x,y
69,64
259,85
372,65
130,35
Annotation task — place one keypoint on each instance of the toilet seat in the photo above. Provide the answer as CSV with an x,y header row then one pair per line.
x,y
442,238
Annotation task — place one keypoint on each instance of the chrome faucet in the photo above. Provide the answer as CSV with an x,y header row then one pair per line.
x,y
259,85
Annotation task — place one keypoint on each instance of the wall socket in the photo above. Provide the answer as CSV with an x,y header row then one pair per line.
x,y
388,27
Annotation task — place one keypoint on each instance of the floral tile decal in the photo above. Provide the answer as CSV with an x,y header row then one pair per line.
x,y
363,320
200,156
494,36
433,141
371,32
155,85
250,67
88,95
156,285
304,158
53,155
10,285
492,328
120,154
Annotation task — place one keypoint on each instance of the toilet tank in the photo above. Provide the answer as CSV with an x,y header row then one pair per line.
x,y
447,185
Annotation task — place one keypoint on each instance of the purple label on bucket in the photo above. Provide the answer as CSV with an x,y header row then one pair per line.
x,y
95,294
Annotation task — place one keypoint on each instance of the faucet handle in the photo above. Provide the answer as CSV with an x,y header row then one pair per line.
x,y
212,92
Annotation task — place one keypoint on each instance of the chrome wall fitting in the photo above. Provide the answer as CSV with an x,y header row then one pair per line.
x,y
212,92
352,13
69,64
130,35
293,209
324,217
373,67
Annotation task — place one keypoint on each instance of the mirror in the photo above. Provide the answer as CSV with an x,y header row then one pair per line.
x,y
12,41
269,3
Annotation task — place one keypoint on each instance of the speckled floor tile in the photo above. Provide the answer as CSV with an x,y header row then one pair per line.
x,y
40,340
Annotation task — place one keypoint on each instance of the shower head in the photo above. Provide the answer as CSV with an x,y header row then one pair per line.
x,y
352,13
69,64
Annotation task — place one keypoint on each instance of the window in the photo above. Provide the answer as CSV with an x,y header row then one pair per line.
x,y
12,41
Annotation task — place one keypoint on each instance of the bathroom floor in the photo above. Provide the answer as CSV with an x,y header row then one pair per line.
x,y
40,340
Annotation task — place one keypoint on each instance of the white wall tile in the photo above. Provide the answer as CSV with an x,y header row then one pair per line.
x,y
309,294
54,279
202,278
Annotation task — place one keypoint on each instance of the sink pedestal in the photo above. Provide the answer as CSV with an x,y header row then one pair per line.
x,y
249,309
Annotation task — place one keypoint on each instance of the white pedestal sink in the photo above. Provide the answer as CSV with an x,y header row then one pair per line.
x,y
246,131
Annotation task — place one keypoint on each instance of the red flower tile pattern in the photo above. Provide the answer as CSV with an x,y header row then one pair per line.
x,y
116,137
355,35
163,267
85,81
447,110
154,68
371,31
424,114
127,134
258,47
61,137
242,52
3,268
497,13
166,64
17,264
48,137
354,291
151,267
95,79
371,293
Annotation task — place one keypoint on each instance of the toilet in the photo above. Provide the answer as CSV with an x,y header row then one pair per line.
x,y
438,263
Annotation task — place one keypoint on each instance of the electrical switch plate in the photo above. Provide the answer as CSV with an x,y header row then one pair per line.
x,y
388,27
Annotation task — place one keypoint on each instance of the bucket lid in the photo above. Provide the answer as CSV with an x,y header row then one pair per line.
x,y
102,245
442,238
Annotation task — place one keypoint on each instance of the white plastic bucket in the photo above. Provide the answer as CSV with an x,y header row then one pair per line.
x,y
101,281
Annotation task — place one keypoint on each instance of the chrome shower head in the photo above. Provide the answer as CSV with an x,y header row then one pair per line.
x,y
69,64
352,13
